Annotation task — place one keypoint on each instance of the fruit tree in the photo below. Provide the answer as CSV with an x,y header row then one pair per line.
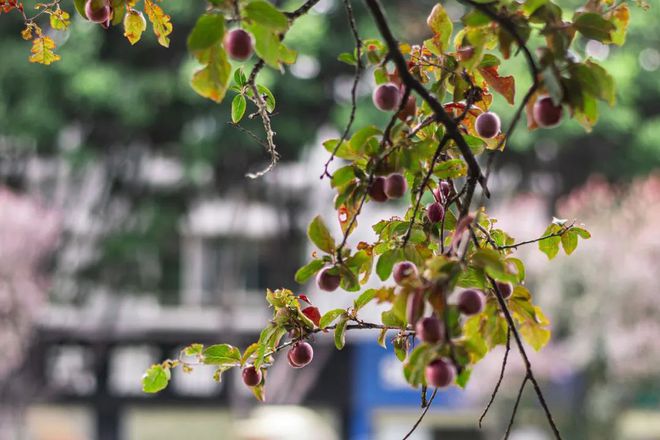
x,y
457,290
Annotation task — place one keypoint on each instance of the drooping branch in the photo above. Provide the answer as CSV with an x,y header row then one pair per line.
x,y
422,415
359,67
501,378
514,411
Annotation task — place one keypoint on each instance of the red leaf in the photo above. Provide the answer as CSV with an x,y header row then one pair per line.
x,y
504,85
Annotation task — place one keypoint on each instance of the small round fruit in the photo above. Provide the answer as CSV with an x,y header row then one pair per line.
x,y
546,113
251,376
300,354
409,110
98,11
327,281
377,189
435,212
395,186
238,44
471,302
386,97
487,125
404,271
440,373
506,289
415,307
429,330
313,314
444,188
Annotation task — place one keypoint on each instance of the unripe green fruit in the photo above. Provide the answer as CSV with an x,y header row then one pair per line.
x,y
395,186
546,113
415,307
430,330
471,302
98,11
440,373
238,44
386,97
251,376
487,125
300,354
377,189
313,314
327,281
404,271
435,212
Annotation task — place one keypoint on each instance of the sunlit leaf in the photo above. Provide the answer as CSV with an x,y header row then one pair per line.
x,y
160,22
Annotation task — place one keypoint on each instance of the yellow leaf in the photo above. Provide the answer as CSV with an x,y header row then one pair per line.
x,y
134,25
27,33
42,51
160,21
60,20
212,80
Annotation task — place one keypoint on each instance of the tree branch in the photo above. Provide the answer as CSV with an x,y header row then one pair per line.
x,y
515,407
421,416
499,381
545,237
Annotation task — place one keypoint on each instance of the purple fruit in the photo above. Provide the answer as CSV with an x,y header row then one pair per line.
x,y
326,280
395,186
251,376
546,113
471,302
300,354
238,44
386,97
440,373
435,212
430,330
487,125
377,189
404,271
98,11
506,289
415,307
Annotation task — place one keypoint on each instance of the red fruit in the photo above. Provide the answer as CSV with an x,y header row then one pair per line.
x,y
506,289
441,193
471,302
386,97
546,113
415,307
440,373
430,330
404,271
395,186
238,44
409,110
435,212
251,376
313,314
300,354
377,189
487,125
98,11
327,281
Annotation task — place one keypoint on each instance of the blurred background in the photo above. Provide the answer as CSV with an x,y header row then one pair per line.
x,y
128,230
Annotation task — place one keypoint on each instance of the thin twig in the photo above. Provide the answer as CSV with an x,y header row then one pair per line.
x,y
499,381
356,79
559,233
421,416
515,407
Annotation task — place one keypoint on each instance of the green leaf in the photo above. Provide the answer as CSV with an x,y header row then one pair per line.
x,y
320,236
265,14
381,338
80,7
569,241
330,316
450,169
550,246
413,369
193,350
535,335
463,377
441,25
348,58
309,270
594,26
222,354
239,77
620,19
270,98
209,30
386,262
266,44
340,333
342,176
365,298
390,319
155,378
238,106
212,80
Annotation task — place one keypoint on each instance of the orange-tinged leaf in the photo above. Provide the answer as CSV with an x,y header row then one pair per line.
x,y
620,17
59,19
160,21
134,25
42,51
504,85
212,80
